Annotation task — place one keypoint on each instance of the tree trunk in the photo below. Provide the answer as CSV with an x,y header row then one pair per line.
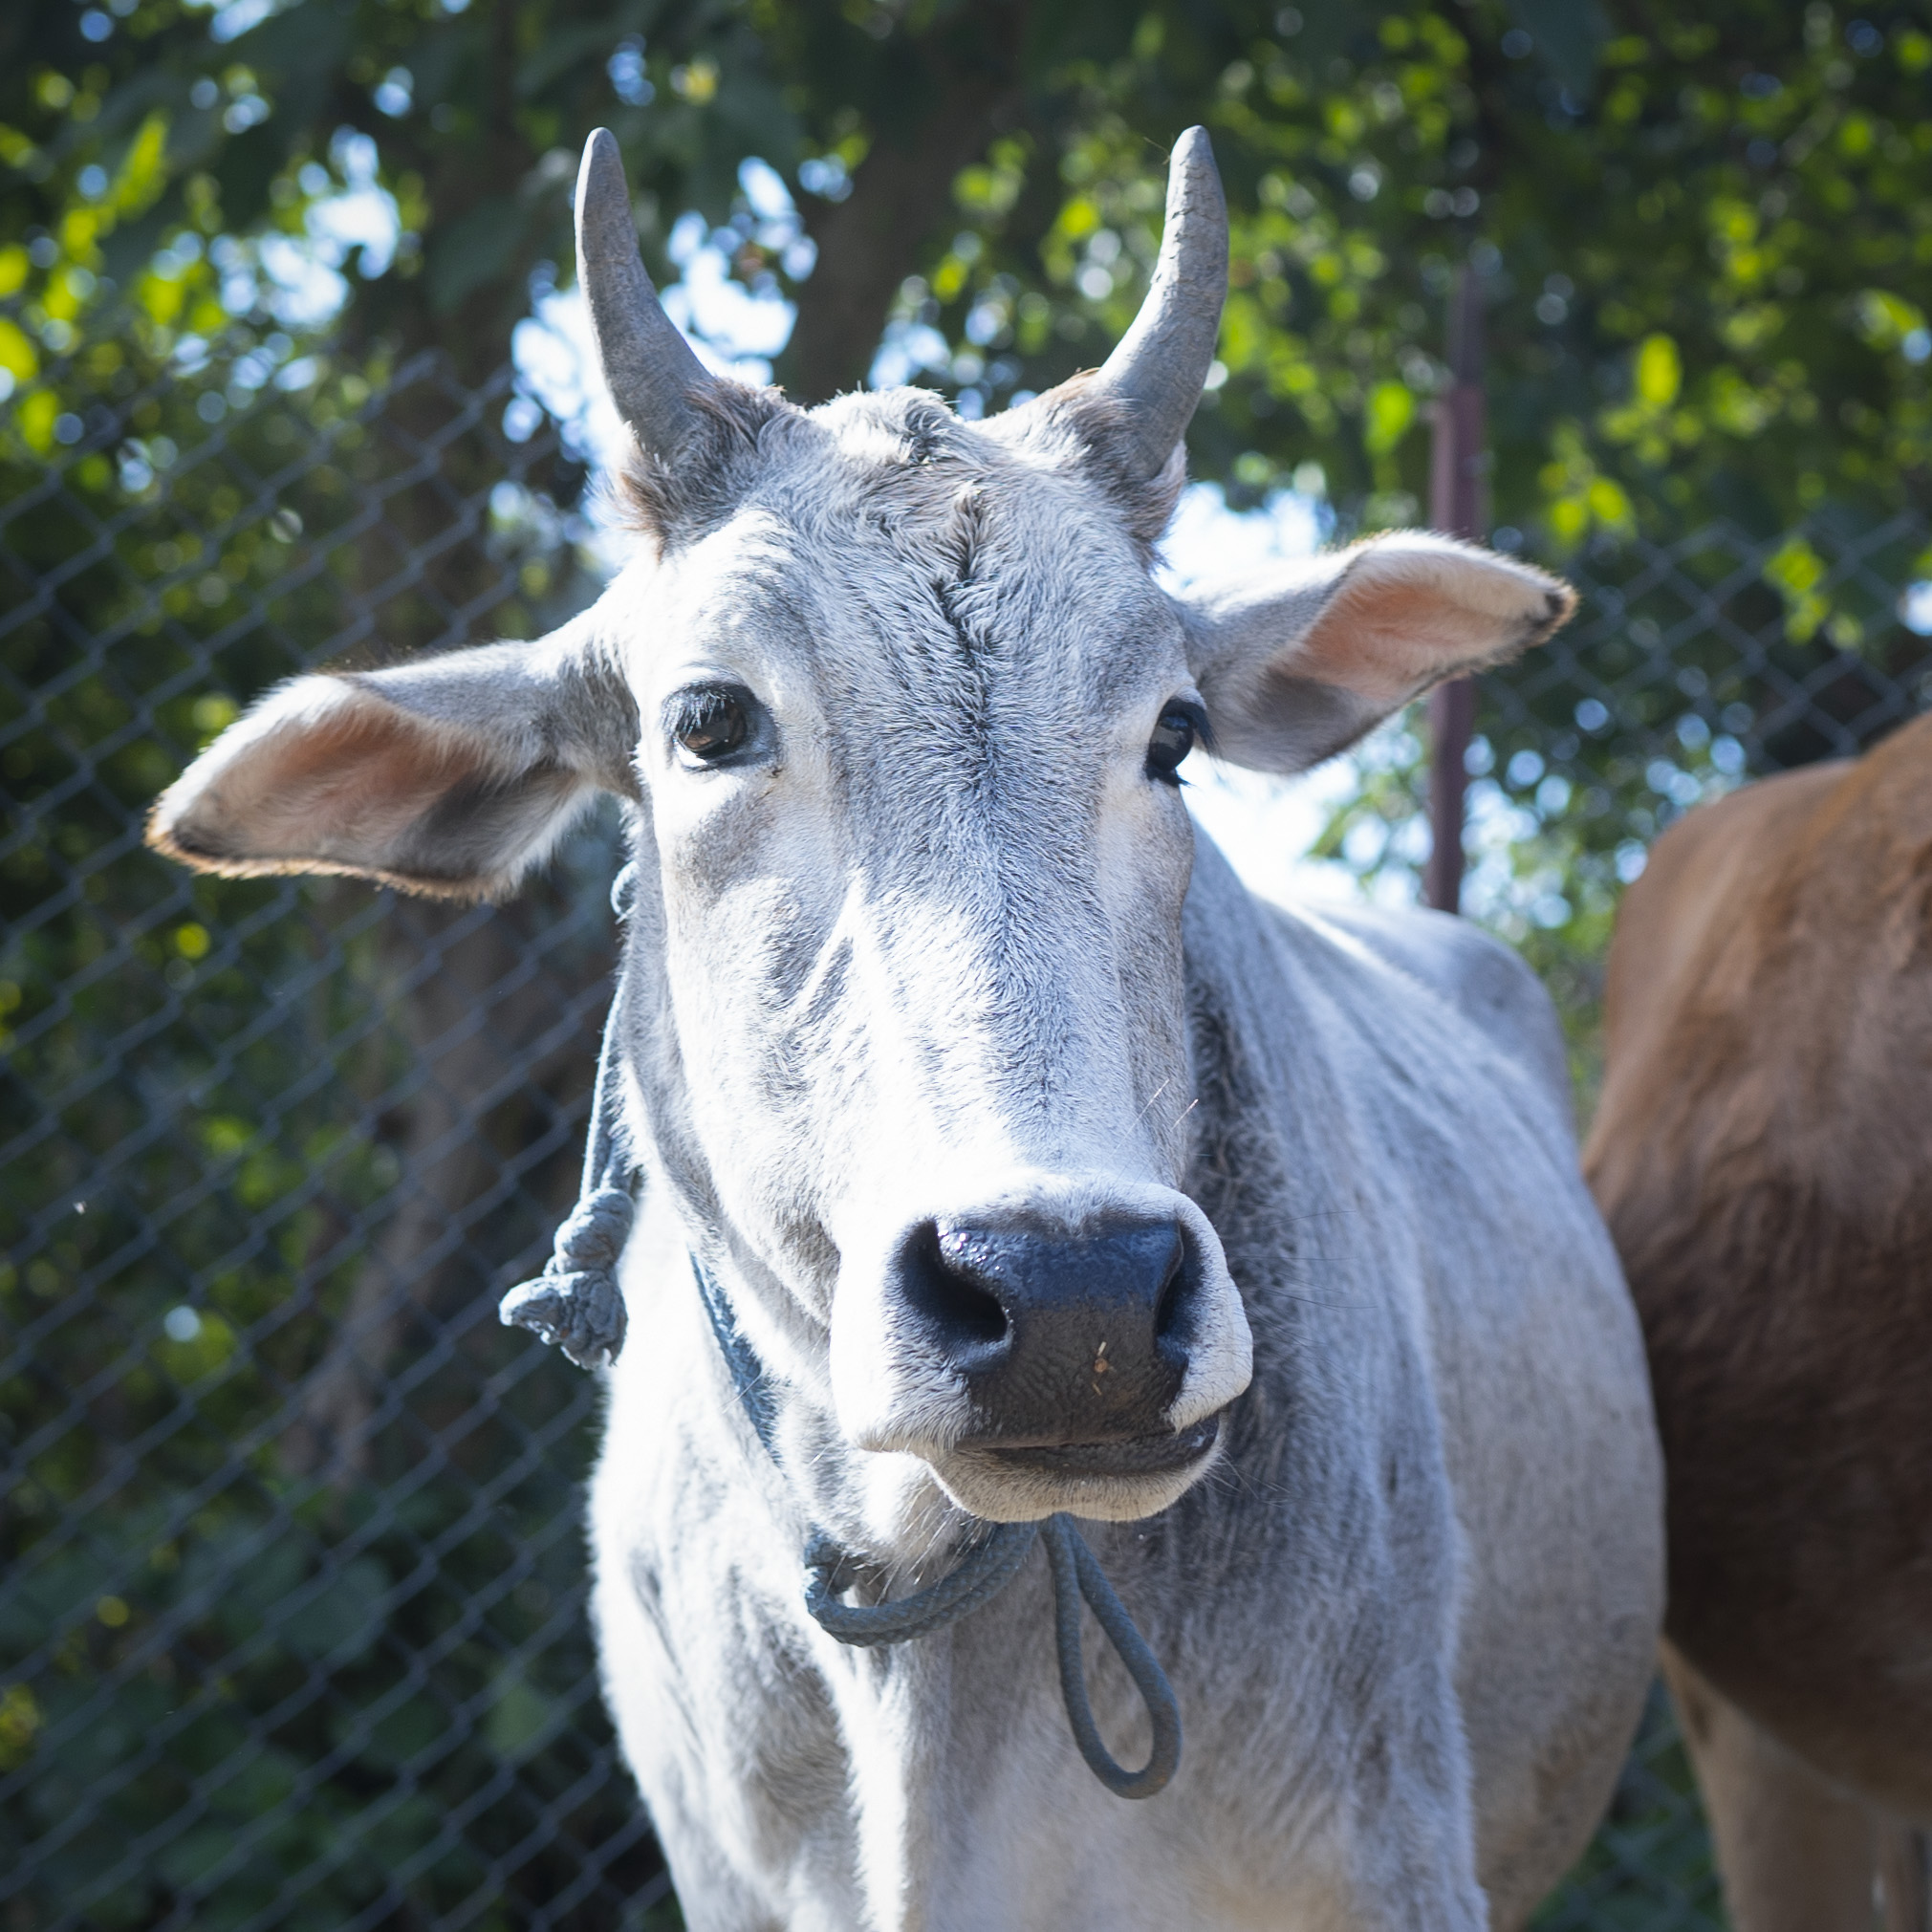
x,y
900,193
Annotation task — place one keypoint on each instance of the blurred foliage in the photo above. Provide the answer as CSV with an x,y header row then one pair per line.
x,y
238,1689
1706,243
244,1681
133,127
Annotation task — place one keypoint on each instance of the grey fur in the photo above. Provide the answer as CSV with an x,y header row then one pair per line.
x,y
937,942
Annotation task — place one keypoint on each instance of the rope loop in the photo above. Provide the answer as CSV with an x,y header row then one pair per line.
x,y
575,1302
1077,1573
982,1574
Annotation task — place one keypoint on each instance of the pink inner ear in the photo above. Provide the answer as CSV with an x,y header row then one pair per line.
x,y
1390,631
346,787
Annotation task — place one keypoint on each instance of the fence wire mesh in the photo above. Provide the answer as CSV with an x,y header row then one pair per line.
x,y
1696,663
292,1605
292,1625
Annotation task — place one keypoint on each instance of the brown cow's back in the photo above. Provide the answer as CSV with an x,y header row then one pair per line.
x,y
1763,1154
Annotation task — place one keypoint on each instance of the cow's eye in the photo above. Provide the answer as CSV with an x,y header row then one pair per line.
x,y
713,722
1174,737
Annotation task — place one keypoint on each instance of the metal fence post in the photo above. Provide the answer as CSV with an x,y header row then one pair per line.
x,y
1456,507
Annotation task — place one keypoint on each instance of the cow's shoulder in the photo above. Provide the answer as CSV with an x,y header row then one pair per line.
x,y
1473,971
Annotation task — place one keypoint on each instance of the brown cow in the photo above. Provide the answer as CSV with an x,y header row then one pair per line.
x,y
1763,1155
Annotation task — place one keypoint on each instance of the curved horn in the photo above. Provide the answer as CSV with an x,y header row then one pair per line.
x,y
653,377
1161,363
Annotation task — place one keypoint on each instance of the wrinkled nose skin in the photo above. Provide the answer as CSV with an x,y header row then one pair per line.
x,y
1056,1339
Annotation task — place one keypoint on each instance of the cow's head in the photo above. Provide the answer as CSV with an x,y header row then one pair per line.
x,y
897,708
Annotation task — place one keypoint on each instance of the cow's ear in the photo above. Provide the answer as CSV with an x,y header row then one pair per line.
x,y
1300,659
455,775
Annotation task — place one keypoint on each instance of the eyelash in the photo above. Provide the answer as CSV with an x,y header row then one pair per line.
x,y
720,717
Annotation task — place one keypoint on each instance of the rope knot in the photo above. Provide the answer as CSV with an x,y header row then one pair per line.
x,y
594,1236
575,1302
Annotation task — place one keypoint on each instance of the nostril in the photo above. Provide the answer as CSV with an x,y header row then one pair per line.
x,y
1056,1335
945,1288
1168,1308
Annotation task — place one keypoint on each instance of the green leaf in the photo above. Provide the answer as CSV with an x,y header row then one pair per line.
x,y
1660,373
17,355
1391,409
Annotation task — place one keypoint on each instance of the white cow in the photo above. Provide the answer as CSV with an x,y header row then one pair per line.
x,y
1040,1168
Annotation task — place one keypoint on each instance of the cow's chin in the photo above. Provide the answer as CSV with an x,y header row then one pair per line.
x,y
1104,1481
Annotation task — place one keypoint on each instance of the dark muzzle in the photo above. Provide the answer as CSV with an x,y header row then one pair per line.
x,y
1057,1339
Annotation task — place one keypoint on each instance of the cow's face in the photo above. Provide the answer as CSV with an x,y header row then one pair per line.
x,y
910,724
899,712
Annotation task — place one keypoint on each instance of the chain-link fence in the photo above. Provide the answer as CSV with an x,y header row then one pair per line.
x,y
1691,665
291,1620
292,1612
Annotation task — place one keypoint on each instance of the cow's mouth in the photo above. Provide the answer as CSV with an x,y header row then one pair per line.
x,y
1139,1456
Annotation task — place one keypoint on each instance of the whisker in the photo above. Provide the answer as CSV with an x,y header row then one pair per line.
x,y
1152,1097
